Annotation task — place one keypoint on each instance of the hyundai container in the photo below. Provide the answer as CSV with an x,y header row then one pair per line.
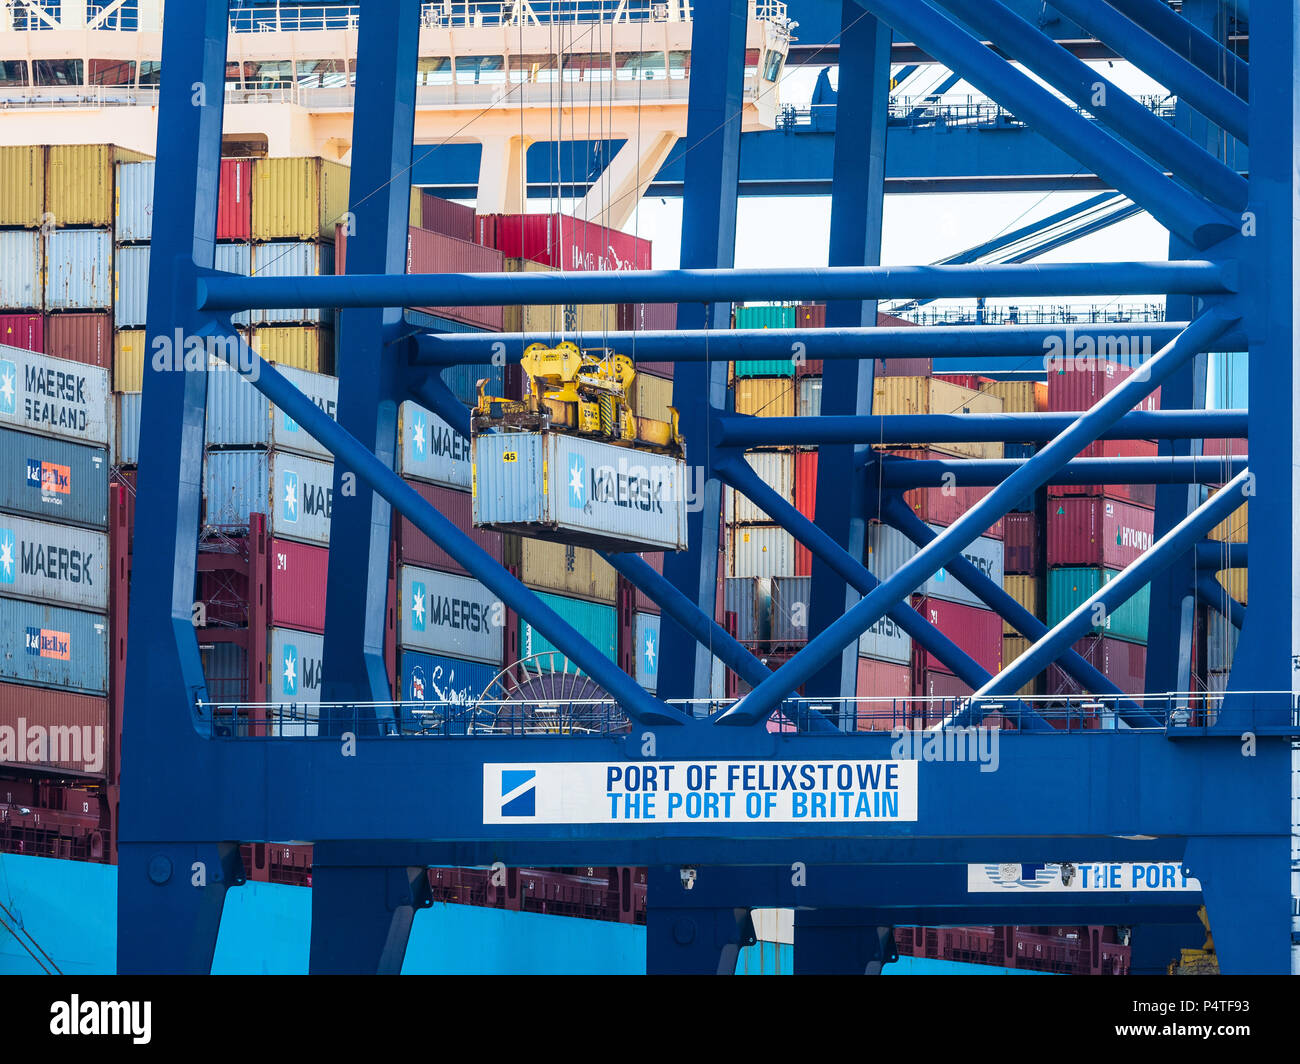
x,y
78,269
53,480
85,338
442,613
1095,531
53,396
415,548
238,415
298,198
59,564
53,646
776,470
295,493
430,449
64,730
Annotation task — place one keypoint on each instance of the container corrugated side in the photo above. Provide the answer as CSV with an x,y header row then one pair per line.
x,y
790,598
53,480
765,318
565,242
1087,530
295,493
238,415
646,632
885,641
1024,589
415,548
47,562
78,269
1123,663
1068,589
879,680
927,395
85,338
1013,646
126,428
940,506
598,623
306,347
21,286
765,396
236,259
1221,639
1021,540
295,664
293,259
974,630
131,285
23,330
652,396
430,449
443,613
79,182
80,743
443,216
809,403
750,599
575,571
1018,397
760,550
776,468
51,646
235,200
133,214
888,550
128,360
53,396
433,252
1234,528
298,198
22,185
297,591
1234,582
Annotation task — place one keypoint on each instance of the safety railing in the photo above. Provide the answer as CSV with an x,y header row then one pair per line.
x,y
1036,314
947,112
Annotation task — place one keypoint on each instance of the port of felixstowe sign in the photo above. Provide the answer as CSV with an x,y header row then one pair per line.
x,y
686,792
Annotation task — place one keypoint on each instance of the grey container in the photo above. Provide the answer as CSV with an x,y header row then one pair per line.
x,y
442,613
776,470
238,415
236,259
809,398
295,677
20,270
53,396
430,449
133,216
78,269
790,595
890,550
295,493
885,641
126,428
60,564
53,480
293,258
51,646
750,599
760,550
131,287
581,491
646,628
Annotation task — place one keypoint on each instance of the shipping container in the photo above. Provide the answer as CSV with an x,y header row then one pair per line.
x,y
297,585
936,684
1024,589
568,243
463,380
644,602
765,396
415,548
1083,384
810,316
128,360
53,396
1140,494
1013,646
776,469
225,672
131,284
235,200
441,681
23,330
21,272
646,631
1021,542
298,199
595,622
430,449
765,318
52,646
929,395
295,493
879,680
78,269
293,259
1121,662
79,183
805,501
750,599
1018,397
53,480
64,730
1087,530
810,398
1234,582
236,259
593,493
47,562
1221,638
790,603
647,317
577,572
546,322
445,217
238,415
652,397
978,632
431,252
1232,529
443,613
306,347
1070,588
22,186
888,550
296,664
886,641
760,550
85,338
133,213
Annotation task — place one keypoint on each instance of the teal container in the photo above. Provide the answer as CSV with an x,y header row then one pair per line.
x,y
765,318
1067,589
599,624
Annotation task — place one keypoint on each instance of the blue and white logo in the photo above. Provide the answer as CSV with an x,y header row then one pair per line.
x,y
577,481
419,434
8,547
941,576
8,387
1023,876
650,655
290,496
419,606
289,671
288,423
518,792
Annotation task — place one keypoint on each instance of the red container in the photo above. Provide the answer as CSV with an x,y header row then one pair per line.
x,y
644,603
883,679
647,317
430,252
934,683
1142,494
936,507
85,338
485,229
297,578
1021,543
810,316
976,631
973,381
23,330
126,477
1078,389
1219,448
569,243
28,708
1095,531
1124,664
805,501
235,200
449,219
415,548
656,369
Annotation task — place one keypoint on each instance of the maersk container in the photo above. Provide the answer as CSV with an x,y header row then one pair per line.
x,y
131,285
22,186
1068,589
51,646
1085,530
415,548
238,415
78,269
298,198
60,564
597,623
53,480
20,270
293,259
297,584
53,396
85,338
750,599
443,613
550,485
84,750
889,550
430,449
646,628
885,641
776,470
236,259
133,221
296,493
295,666
23,330
760,550
978,632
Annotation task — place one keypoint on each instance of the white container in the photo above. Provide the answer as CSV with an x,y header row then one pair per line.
x,y
126,428
750,599
53,396
885,641
78,269
295,679
133,222
131,287
594,494
809,399
236,259
20,270
292,258
646,628
296,493
776,468
430,449
890,549
760,550
442,613
238,415
44,562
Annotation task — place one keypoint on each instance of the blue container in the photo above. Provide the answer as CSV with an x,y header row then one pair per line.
x,y
50,646
53,480
435,679
463,380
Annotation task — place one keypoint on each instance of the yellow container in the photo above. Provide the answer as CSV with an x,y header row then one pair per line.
x,y
1012,647
22,186
79,182
308,347
1018,397
575,571
1235,581
652,396
1233,529
765,396
926,395
417,208
587,323
1024,589
298,199
128,360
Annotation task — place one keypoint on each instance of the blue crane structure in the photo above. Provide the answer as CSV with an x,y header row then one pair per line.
x,y
1204,786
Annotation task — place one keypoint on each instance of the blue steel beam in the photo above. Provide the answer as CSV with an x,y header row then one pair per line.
x,y
1213,594
1188,41
1189,162
1221,555
763,699
222,291
1175,207
905,473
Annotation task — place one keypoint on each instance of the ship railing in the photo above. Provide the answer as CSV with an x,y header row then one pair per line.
x,y
1036,314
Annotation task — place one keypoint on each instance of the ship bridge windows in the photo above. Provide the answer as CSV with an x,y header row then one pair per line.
x,y
751,64
150,73
539,68
57,71
588,67
640,66
13,72
269,74
772,66
679,65
111,72
434,70
480,70
322,73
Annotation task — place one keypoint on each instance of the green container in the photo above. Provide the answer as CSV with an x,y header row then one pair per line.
x,y
599,624
1067,589
765,318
